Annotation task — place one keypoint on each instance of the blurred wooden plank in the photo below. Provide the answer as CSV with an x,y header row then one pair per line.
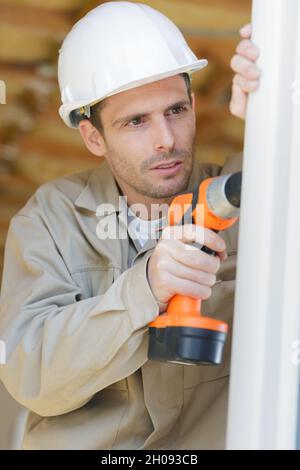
x,y
215,153
62,5
19,78
23,46
231,5
30,34
34,18
202,17
217,50
40,170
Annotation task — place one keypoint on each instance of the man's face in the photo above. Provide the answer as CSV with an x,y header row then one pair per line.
x,y
147,127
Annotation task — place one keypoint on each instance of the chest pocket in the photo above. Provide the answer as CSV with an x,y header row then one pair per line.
x,y
94,280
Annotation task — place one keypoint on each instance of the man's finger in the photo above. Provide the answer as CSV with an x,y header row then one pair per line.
x,y
222,255
247,49
244,67
196,258
189,233
248,86
246,31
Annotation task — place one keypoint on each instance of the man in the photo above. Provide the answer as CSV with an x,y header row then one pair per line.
x,y
76,305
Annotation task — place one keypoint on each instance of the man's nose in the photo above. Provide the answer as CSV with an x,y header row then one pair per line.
x,y
163,135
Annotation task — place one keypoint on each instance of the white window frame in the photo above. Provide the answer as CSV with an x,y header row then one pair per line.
x,y
264,384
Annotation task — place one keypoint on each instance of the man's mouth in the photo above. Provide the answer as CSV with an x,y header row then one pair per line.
x,y
167,165
167,168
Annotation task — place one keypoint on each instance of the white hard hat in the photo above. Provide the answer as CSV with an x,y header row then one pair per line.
x,y
115,47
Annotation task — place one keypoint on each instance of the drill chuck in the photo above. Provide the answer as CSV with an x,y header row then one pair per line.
x,y
223,195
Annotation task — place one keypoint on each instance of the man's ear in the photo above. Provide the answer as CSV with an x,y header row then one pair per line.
x,y
92,138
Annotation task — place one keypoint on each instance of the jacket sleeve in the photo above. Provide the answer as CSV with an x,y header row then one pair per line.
x,y
61,350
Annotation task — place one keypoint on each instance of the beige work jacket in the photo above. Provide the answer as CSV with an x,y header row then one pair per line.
x,y
74,316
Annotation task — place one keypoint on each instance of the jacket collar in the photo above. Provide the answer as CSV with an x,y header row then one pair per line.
x,y
101,188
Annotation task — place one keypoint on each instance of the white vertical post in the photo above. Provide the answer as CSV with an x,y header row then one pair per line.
x,y
263,398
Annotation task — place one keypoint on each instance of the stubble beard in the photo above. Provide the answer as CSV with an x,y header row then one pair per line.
x,y
139,180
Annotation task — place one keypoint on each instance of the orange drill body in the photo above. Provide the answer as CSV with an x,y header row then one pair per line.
x,y
183,334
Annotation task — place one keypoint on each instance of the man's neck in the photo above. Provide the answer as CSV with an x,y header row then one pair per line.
x,y
153,208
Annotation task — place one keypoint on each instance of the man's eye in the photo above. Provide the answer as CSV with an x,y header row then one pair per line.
x,y
135,121
179,108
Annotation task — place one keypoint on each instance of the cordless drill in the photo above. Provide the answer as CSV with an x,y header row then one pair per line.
x,y
182,335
